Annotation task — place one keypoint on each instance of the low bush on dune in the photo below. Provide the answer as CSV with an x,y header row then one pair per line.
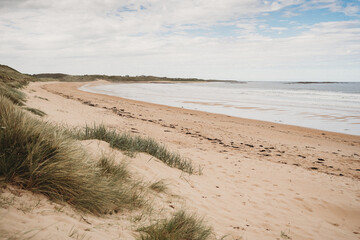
x,y
43,158
131,144
180,226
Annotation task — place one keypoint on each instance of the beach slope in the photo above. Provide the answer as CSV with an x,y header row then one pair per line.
x,y
259,180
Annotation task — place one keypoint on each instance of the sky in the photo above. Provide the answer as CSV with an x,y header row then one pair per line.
x,y
246,40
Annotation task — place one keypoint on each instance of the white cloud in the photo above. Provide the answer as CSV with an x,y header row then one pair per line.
x,y
142,37
351,10
334,5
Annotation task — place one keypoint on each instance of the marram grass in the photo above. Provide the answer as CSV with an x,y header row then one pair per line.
x,y
14,95
43,158
35,111
46,159
179,227
131,144
158,186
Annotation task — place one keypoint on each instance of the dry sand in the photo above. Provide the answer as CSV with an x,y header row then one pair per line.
x,y
260,180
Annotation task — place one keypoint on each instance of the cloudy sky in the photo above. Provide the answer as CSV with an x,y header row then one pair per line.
x,y
294,40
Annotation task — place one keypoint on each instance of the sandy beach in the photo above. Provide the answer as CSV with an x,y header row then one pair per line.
x,y
260,180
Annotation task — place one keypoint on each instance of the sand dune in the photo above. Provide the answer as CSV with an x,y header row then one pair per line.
x,y
260,180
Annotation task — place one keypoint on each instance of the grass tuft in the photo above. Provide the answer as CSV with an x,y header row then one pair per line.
x,y
131,144
35,111
13,94
46,159
43,158
115,171
158,186
10,81
180,226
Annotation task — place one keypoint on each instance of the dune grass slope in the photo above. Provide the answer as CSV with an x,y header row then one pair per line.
x,y
43,158
131,144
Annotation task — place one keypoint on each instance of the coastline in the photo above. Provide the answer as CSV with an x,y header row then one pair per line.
x,y
295,144
259,178
309,108
301,128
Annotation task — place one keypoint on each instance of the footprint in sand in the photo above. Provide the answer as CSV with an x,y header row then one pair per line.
x,y
299,199
307,208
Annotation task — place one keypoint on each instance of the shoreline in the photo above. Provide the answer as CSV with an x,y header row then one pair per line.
x,y
259,179
304,136
335,121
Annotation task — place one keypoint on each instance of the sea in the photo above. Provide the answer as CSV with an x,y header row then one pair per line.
x,y
326,106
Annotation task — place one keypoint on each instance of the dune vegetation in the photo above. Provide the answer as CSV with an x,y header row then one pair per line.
x,y
43,158
84,78
132,144
180,226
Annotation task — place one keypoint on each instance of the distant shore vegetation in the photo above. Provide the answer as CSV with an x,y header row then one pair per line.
x,y
126,78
